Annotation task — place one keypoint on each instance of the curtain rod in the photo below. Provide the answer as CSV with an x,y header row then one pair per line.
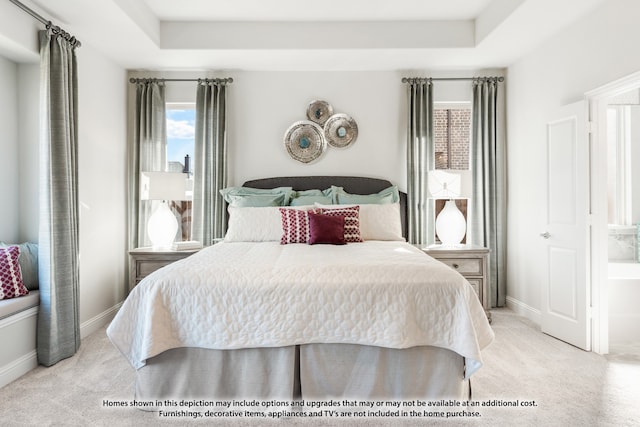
x,y
226,80
428,79
48,24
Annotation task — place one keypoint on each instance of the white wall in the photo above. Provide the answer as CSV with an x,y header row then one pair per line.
x,y
596,50
28,153
9,214
265,104
102,185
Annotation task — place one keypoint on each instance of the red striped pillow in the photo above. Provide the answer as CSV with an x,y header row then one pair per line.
x,y
295,226
351,221
11,284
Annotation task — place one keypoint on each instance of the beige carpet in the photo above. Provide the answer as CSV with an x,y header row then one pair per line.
x,y
570,387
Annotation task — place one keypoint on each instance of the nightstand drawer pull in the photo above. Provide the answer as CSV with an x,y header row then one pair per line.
x,y
455,266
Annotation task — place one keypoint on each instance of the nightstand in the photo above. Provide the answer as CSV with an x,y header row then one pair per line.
x,y
145,261
472,262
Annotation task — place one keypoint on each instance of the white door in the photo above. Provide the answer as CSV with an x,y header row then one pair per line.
x,y
565,313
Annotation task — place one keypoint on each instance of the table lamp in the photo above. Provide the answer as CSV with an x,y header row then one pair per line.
x,y
162,225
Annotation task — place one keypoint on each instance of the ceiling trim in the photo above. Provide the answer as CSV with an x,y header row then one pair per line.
x,y
317,35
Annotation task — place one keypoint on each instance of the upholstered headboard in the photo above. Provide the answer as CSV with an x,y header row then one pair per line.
x,y
351,184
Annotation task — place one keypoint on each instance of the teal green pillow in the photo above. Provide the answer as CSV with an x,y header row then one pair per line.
x,y
257,200
309,197
388,195
257,197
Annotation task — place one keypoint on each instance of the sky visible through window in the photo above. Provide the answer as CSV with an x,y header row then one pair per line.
x,y
180,133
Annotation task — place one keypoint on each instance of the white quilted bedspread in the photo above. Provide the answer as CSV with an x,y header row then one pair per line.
x,y
238,295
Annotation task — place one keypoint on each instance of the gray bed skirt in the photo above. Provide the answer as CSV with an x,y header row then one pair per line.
x,y
312,371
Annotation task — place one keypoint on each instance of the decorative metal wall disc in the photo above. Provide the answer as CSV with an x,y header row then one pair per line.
x,y
319,111
305,141
340,130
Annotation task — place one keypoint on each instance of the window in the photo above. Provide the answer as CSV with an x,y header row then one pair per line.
x,y
452,133
181,120
452,130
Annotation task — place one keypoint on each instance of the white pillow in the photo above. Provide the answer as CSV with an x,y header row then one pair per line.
x,y
377,221
254,224
380,222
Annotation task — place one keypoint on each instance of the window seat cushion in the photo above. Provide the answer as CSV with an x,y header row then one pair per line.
x,y
9,307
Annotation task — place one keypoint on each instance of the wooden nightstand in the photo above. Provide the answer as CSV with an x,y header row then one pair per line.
x,y
472,262
145,261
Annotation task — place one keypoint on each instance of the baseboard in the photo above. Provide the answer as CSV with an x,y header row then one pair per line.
x,y
525,310
95,323
18,368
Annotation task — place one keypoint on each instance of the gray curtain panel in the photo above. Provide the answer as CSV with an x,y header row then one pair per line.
x,y
209,214
58,335
147,152
420,159
488,201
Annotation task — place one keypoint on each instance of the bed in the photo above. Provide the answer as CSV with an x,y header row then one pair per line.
x,y
255,318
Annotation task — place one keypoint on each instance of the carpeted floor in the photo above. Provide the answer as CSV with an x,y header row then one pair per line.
x,y
570,387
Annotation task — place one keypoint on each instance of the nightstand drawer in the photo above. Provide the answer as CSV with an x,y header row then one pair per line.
x,y
145,261
144,268
476,284
464,266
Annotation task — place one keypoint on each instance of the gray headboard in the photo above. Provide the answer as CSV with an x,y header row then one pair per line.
x,y
351,184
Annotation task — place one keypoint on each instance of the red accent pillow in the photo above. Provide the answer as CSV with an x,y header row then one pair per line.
x,y
351,221
11,284
295,226
328,229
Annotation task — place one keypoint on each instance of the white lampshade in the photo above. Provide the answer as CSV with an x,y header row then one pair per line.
x,y
163,226
451,226
450,183
189,194
163,186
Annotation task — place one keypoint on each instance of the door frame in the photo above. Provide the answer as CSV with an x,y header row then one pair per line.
x,y
597,102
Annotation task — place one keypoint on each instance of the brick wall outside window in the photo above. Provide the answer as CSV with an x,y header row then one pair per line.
x,y
460,135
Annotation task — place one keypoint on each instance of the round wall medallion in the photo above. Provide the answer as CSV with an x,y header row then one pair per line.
x,y
319,111
340,130
304,141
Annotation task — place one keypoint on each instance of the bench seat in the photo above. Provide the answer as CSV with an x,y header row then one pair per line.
x,y
9,307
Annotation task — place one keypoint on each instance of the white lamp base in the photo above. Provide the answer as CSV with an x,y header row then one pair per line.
x,y
450,224
162,227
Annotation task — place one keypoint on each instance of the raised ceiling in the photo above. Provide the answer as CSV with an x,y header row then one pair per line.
x,y
303,35
328,10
